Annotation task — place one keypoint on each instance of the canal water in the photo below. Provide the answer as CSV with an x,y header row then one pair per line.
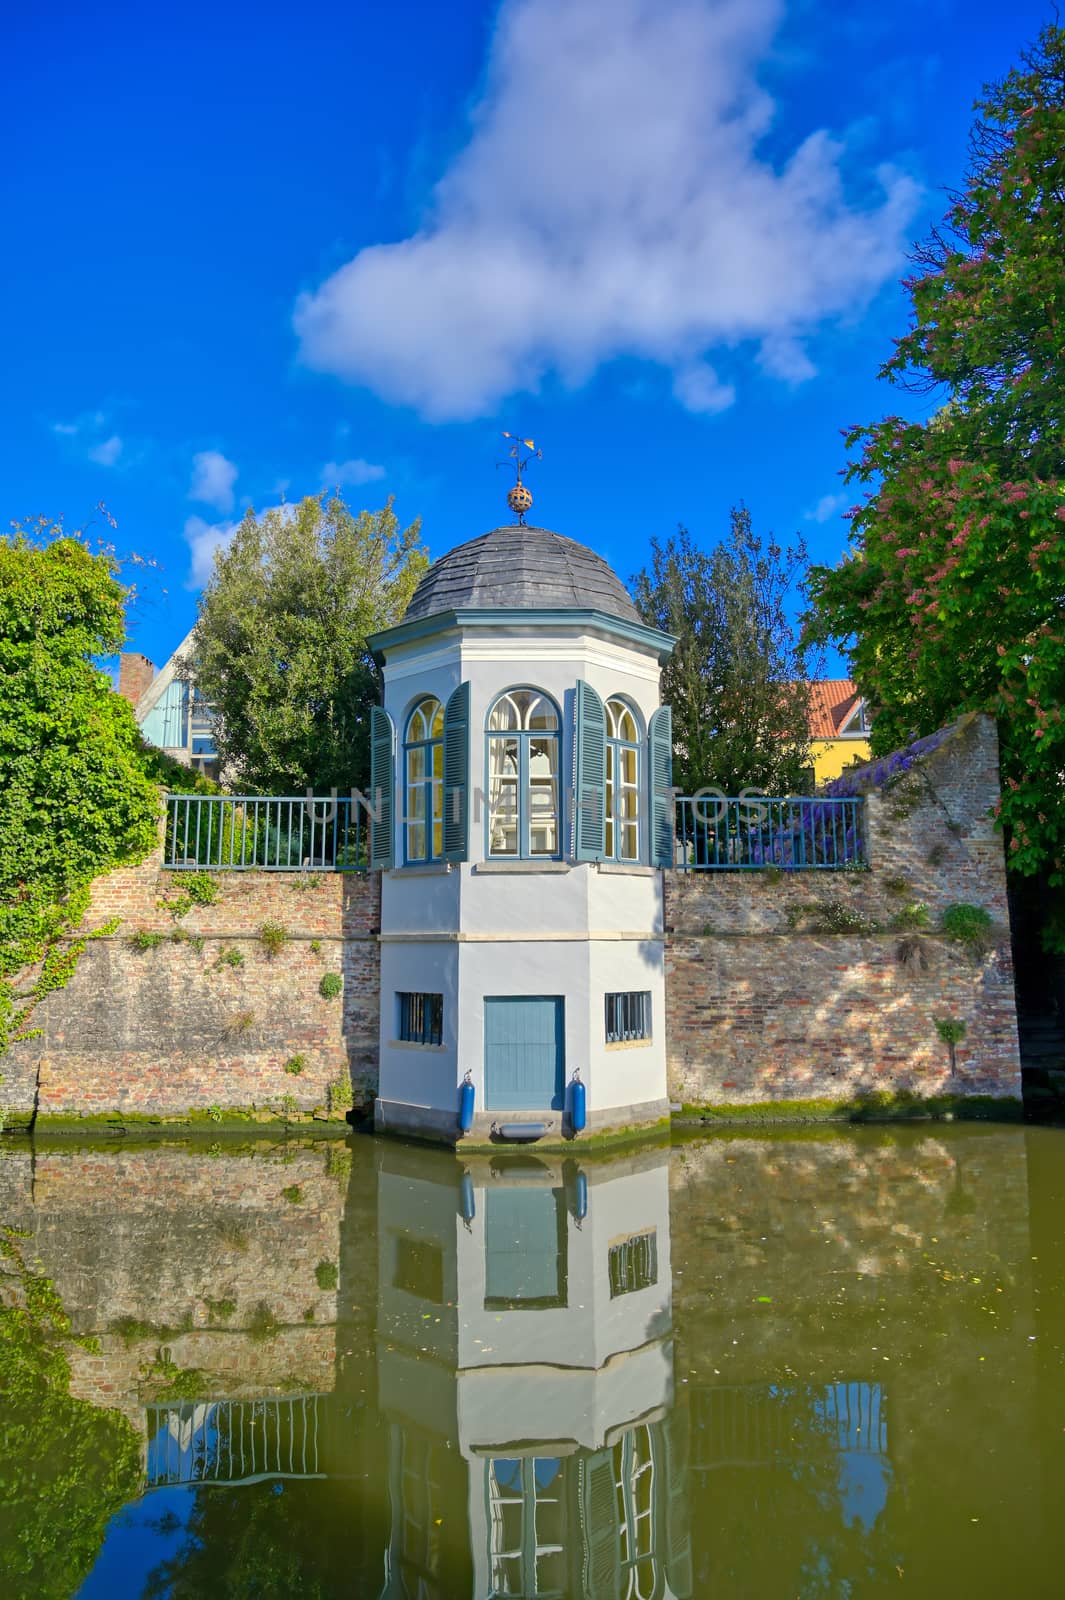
x,y
821,1363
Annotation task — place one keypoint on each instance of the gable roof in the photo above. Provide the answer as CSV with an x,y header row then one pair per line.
x,y
833,701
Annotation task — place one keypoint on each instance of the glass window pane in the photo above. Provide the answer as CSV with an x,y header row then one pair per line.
x,y
628,766
540,714
504,714
543,757
416,841
416,764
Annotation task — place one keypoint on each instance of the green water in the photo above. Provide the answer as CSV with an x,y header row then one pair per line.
x,y
815,1364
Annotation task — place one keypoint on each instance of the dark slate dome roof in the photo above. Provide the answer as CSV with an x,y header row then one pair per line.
x,y
521,569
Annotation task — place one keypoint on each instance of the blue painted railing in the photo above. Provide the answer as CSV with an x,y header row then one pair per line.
x,y
719,834
244,833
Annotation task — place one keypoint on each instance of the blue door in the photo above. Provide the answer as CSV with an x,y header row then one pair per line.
x,y
524,1053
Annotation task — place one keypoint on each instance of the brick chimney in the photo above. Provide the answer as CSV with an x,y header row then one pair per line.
x,y
135,673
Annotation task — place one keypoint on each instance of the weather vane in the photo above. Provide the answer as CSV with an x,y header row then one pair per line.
x,y
519,499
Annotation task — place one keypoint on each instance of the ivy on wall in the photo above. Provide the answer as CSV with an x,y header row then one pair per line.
x,y
76,794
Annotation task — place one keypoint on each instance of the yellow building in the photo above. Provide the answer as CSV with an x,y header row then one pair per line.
x,y
839,727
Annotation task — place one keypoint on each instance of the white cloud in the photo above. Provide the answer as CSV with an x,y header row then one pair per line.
x,y
107,452
698,388
213,478
784,357
826,507
353,472
612,200
204,538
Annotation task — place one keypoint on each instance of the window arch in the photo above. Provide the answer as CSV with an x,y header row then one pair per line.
x,y
523,748
622,782
423,769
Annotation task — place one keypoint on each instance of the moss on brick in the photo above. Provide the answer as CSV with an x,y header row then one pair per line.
x,y
885,1107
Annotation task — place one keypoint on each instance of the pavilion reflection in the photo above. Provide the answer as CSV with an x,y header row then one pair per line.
x,y
525,1372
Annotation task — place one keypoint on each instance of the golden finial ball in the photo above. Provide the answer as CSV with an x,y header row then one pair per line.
x,y
519,499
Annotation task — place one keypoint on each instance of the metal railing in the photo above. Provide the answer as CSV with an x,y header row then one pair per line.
x,y
718,834
754,1425
234,1441
243,833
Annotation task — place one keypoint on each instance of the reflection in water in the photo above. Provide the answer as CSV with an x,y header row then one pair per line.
x,y
826,1365
527,1376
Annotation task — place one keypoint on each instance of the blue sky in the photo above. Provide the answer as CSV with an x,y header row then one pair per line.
x,y
251,250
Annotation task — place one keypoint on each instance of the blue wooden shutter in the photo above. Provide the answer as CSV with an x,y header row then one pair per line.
x,y
589,834
660,743
457,775
599,1515
382,787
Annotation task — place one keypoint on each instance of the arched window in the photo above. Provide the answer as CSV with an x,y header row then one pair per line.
x,y
523,762
622,782
423,756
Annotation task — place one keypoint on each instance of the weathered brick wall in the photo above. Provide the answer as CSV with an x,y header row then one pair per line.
x,y
174,1028
764,1000
759,1010
191,1250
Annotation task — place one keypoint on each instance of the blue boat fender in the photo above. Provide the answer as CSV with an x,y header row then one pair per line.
x,y
466,1094
467,1202
578,1105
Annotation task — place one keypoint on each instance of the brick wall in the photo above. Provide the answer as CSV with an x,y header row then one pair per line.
x,y
759,1010
192,1250
170,1029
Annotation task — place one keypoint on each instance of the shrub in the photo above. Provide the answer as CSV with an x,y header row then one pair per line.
x,y
293,1194
828,916
914,953
331,985
143,940
215,1113
952,1031
220,1310
316,947
295,1065
340,1095
968,924
326,1275
263,1325
273,936
911,917
894,883
240,1023
230,957
201,888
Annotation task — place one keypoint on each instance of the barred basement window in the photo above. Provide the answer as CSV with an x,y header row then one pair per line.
x,y
628,1016
633,1264
421,1018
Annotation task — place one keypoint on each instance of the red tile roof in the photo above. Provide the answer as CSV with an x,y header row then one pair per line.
x,y
831,702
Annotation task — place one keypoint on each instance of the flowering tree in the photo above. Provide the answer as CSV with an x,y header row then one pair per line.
x,y
953,593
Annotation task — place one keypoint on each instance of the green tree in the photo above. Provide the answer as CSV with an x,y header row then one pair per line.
x,y
281,650
952,593
737,678
75,799
988,296
66,1467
